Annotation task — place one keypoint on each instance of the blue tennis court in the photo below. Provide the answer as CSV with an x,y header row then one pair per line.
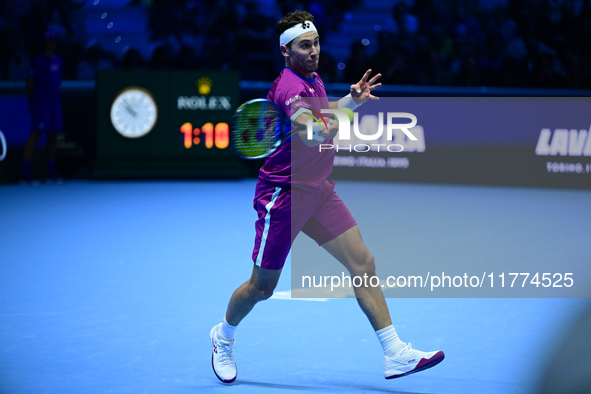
x,y
112,287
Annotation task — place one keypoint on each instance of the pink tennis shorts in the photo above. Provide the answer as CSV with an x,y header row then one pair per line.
x,y
283,213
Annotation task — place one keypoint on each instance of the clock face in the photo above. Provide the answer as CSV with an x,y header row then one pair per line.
x,y
134,112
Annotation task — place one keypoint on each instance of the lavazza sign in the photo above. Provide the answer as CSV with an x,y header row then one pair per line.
x,y
565,142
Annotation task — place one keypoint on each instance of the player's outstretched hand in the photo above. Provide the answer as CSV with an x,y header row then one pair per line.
x,y
361,91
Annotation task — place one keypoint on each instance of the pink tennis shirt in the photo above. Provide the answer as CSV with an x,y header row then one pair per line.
x,y
294,163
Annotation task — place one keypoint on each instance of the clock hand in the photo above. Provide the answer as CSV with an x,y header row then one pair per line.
x,y
130,110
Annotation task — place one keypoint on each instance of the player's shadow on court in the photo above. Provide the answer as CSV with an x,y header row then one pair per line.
x,y
318,388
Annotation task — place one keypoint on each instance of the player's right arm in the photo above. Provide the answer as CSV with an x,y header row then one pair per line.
x,y
295,104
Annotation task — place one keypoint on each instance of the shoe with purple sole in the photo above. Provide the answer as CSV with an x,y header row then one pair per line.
x,y
222,357
409,361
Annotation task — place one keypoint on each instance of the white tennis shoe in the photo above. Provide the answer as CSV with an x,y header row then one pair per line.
x,y
222,357
409,360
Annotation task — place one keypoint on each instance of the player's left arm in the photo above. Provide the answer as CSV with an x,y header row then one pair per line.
x,y
361,91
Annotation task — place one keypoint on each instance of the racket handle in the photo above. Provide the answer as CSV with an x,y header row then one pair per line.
x,y
317,137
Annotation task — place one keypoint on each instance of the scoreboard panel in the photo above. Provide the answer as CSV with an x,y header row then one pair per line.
x,y
166,123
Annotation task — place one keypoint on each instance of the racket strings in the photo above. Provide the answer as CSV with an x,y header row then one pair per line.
x,y
257,129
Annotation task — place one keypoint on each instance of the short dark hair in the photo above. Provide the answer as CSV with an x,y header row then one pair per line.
x,y
291,20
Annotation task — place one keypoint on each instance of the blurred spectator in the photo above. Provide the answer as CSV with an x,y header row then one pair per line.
x,y
518,43
73,54
544,73
96,59
257,30
220,31
256,43
576,78
186,59
5,55
132,60
327,67
357,64
469,74
490,64
165,19
391,61
43,91
56,14
161,58
511,75
318,9
401,22
398,72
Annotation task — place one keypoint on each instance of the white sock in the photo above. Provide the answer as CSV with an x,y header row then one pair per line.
x,y
390,341
226,331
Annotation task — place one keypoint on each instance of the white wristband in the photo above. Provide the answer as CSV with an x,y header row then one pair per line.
x,y
348,102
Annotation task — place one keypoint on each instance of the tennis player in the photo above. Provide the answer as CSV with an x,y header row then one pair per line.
x,y
294,177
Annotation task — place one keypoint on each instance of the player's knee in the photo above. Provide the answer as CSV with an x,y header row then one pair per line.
x,y
365,265
370,264
263,292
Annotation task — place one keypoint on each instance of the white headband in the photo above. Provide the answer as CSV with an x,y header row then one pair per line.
x,y
295,31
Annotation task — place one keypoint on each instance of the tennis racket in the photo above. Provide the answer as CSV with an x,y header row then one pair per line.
x,y
258,128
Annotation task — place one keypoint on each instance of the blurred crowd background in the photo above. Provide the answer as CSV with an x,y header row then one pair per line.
x,y
497,43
